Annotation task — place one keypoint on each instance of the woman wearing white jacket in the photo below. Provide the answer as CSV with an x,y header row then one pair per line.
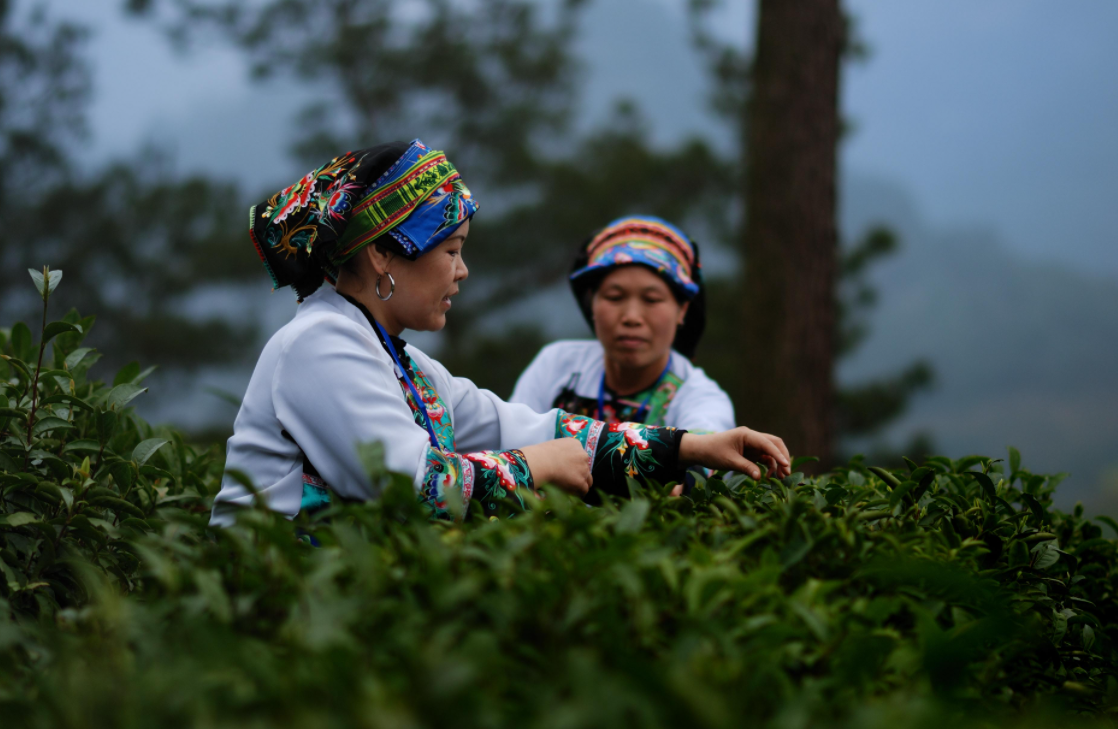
x,y
372,244
638,282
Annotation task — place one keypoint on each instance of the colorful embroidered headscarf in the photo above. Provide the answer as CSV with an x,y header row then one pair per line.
x,y
656,244
647,241
405,196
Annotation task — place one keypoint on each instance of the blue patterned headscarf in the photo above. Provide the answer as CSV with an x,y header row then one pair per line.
x,y
407,197
646,241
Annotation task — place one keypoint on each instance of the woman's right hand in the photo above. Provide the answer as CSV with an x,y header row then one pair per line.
x,y
562,462
732,450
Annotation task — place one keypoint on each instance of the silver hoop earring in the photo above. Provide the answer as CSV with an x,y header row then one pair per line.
x,y
392,290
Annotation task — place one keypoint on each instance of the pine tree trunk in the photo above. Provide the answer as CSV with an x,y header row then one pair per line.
x,y
788,298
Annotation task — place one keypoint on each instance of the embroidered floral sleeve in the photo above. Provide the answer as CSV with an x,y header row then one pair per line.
x,y
486,478
624,450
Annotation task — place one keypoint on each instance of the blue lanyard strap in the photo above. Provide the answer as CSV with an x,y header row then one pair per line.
x,y
643,409
404,376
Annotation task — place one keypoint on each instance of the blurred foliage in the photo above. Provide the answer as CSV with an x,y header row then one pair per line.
x,y
492,80
496,83
946,592
44,85
138,241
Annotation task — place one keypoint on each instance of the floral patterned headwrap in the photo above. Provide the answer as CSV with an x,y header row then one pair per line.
x,y
406,197
656,244
648,241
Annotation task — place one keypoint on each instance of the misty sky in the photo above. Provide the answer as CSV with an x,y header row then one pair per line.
x,y
998,114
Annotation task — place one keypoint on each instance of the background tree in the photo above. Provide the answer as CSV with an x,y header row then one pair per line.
x,y
132,239
496,82
801,302
143,246
788,292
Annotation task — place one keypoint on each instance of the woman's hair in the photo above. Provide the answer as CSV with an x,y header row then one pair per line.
x,y
311,276
321,270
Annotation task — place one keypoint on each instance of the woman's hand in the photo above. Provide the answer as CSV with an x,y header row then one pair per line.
x,y
732,450
562,462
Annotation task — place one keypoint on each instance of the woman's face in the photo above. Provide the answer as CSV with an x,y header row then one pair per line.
x,y
424,286
635,316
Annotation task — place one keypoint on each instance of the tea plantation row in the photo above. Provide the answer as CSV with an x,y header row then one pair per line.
x,y
951,591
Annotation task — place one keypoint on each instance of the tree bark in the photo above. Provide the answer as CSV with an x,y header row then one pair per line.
x,y
788,298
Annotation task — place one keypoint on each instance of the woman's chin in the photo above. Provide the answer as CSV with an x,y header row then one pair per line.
x,y
432,324
628,358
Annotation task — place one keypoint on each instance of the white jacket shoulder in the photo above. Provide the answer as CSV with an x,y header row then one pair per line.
x,y
552,367
701,404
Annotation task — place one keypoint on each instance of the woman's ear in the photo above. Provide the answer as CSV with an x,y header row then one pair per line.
x,y
378,258
682,313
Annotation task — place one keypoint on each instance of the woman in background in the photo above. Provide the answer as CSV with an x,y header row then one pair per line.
x,y
639,284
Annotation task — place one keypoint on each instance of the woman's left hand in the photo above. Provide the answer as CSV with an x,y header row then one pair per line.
x,y
732,450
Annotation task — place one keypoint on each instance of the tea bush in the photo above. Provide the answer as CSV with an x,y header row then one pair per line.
x,y
949,591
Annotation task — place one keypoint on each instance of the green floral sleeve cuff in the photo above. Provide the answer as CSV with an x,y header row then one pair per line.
x,y
618,451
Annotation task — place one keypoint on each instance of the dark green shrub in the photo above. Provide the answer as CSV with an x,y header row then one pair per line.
x,y
952,591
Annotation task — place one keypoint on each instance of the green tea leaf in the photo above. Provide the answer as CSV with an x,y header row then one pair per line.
x,y
794,552
886,476
900,492
18,519
1046,555
13,413
123,394
127,373
986,484
632,516
1088,637
22,347
146,449
801,460
59,327
40,282
117,504
1109,522
70,400
53,279
155,472
74,358
1035,507
44,425
144,374
1060,625
967,462
82,446
66,376
925,482
106,424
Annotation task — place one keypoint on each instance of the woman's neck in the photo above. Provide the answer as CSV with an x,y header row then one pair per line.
x,y
625,380
349,286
